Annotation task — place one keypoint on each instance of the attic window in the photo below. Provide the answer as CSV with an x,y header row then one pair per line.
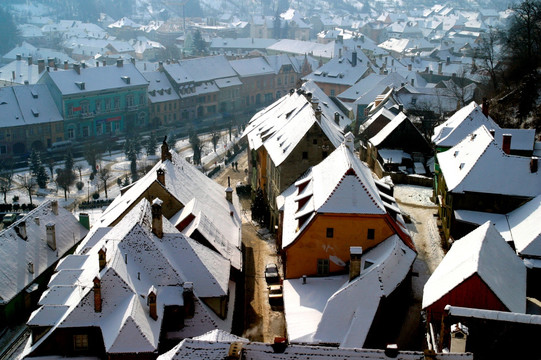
x,y
80,85
461,166
126,79
35,112
34,94
456,153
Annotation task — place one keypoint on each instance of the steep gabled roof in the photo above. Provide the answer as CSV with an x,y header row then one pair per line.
x,y
281,126
18,252
478,164
483,252
470,118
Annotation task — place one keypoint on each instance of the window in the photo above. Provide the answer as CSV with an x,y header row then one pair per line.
x,y
3,149
80,342
305,155
332,92
322,266
107,104
314,141
71,133
371,235
98,105
85,131
85,107
141,99
292,80
129,101
279,81
117,102
330,232
324,154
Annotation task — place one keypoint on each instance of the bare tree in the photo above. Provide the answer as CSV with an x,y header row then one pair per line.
x,y
28,183
6,182
104,175
487,54
65,178
79,169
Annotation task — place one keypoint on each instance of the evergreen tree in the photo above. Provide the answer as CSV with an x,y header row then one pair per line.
x,y
195,142
68,164
151,144
199,45
34,162
42,177
277,26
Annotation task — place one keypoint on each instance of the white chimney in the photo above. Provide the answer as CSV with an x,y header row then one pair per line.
x,y
51,235
349,139
157,224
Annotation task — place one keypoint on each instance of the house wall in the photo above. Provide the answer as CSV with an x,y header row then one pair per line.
x,y
301,257
61,342
472,293
164,113
332,89
22,139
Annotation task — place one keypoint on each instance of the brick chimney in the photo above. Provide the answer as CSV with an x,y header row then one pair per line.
x,y
21,230
485,107
188,297
409,67
157,223
354,58
534,164
160,176
102,257
315,102
337,118
41,65
66,65
492,132
152,297
355,254
97,294
440,68
77,68
229,191
318,113
165,154
119,62
51,235
50,62
54,207
18,57
29,59
506,143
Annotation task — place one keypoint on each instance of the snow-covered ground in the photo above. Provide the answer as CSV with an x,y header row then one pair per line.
x,y
120,168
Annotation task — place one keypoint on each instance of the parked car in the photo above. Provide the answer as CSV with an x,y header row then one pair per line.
x,y
9,219
271,273
275,294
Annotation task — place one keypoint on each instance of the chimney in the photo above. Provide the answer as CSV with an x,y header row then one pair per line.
x,y
132,60
97,64
166,155
506,143
151,301
41,65
102,257
84,219
77,68
412,82
160,66
308,96
229,191
409,67
349,139
337,118
160,176
448,60
189,303
534,164
36,220
391,350
66,65
339,52
157,224
485,107
18,57
50,62
29,59
13,76
401,107
48,68
31,267
21,230
440,68
318,113
51,235
54,207
83,64
315,102
355,254
97,294
492,132
104,63
354,58
119,62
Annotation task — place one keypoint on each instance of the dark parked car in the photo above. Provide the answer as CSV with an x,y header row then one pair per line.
x,y
271,273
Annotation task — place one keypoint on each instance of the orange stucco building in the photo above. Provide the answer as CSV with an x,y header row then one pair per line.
x,y
335,206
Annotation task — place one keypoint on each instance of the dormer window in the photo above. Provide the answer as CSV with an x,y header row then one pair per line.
x,y
80,85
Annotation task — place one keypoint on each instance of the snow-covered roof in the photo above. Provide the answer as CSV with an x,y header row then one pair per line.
x,y
241,43
520,226
19,71
388,129
483,252
471,117
27,105
303,47
366,90
137,262
124,22
340,70
208,68
280,126
478,164
159,87
97,79
215,218
333,311
207,347
327,103
340,184
25,259
252,67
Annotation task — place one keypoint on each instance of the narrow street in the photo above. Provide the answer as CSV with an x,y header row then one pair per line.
x,y
261,321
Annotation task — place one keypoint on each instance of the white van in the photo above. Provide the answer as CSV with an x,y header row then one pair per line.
x,y
59,146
